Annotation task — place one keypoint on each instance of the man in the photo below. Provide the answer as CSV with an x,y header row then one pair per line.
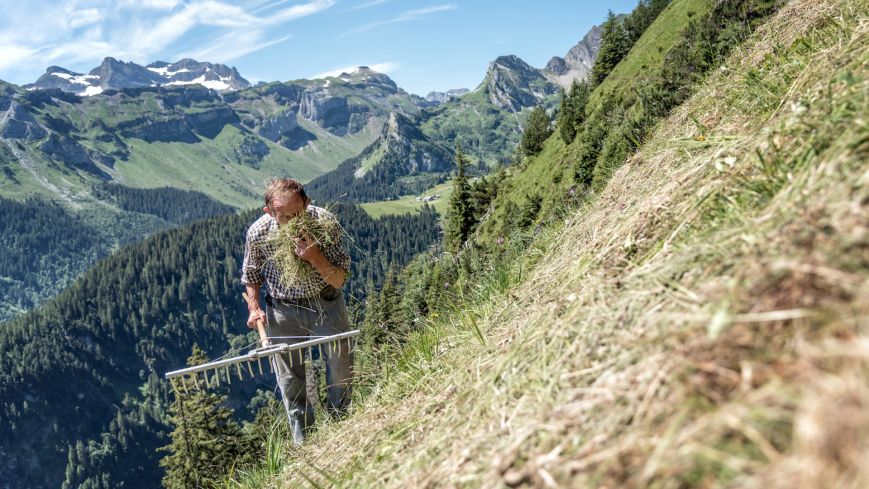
x,y
313,308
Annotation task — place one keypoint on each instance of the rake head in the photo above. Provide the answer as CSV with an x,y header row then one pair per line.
x,y
213,371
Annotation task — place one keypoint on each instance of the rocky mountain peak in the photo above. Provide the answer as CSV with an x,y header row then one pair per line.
x,y
556,65
113,73
189,71
513,84
367,76
577,63
513,63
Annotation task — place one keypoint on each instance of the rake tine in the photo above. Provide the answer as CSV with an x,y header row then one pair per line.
x,y
228,377
184,384
217,376
205,374
174,387
250,368
259,363
238,371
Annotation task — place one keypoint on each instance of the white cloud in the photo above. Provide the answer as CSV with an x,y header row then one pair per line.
x,y
84,17
384,68
233,46
81,50
297,11
403,17
372,3
245,39
159,4
153,38
73,33
10,55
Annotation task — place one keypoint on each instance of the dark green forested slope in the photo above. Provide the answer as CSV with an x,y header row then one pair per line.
x,y
46,245
171,204
402,161
80,398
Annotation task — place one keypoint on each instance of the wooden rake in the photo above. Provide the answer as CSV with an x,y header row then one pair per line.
x,y
213,371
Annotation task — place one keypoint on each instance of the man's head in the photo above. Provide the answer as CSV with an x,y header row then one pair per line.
x,y
285,198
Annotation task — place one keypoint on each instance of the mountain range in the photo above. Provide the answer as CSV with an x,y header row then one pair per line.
x,y
201,127
149,123
115,74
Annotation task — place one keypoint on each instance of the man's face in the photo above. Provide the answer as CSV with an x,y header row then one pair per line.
x,y
285,206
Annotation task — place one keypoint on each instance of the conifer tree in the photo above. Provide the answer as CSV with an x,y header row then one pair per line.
x,y
572,113
566,129
459,214
614,45
642,17
207,442
536,132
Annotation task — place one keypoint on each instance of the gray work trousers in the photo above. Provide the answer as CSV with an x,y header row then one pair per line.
x,y
318,316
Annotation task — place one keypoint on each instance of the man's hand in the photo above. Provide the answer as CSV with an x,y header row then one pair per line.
x,y
307,249
255,314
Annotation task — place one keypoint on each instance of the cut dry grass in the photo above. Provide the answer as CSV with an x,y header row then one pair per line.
x,y
701,323
294,271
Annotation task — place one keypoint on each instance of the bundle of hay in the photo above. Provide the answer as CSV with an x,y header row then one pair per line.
x,y
294,271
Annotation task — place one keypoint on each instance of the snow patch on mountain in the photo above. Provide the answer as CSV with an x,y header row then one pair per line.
x,y
89,91
164,71
77,79
210,84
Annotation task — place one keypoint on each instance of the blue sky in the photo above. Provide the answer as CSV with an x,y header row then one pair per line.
x,y
422,45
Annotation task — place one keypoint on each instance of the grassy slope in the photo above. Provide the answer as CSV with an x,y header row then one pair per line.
x,y
702,322
182,165
408,204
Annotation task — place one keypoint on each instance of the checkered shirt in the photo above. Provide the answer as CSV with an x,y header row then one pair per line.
x,y
258,266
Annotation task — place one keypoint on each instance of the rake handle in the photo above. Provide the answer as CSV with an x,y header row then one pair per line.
x,y
261,329
260,326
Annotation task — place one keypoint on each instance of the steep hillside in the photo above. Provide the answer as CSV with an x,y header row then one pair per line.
x,y
688,40
700,321
647,57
